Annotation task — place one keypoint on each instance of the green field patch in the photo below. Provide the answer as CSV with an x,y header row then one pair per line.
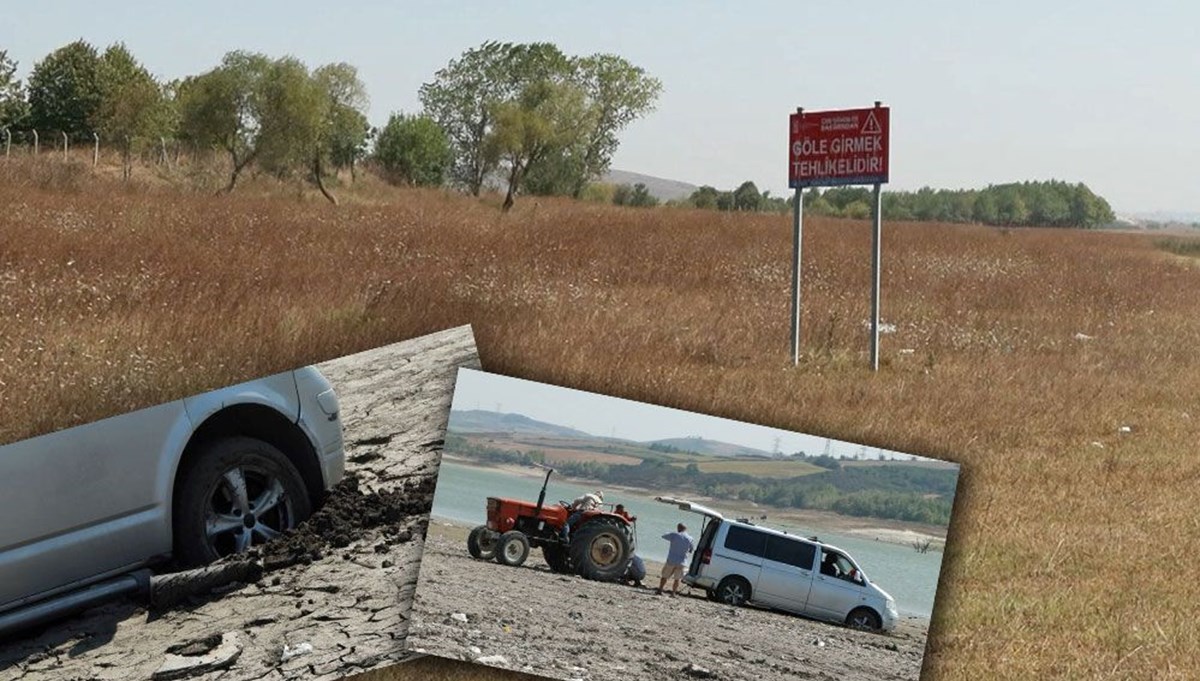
x,y
758,468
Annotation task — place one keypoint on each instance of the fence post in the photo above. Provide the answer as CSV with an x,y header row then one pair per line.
x,y
96,150
66,143
7,141
35,142
166,160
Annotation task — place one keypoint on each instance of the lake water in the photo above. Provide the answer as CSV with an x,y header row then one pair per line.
x,y
910,577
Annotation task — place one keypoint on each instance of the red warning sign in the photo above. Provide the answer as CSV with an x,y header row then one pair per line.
x,y
830,148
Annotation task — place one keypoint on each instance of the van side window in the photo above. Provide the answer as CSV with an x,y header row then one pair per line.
x,y
745,540
791,551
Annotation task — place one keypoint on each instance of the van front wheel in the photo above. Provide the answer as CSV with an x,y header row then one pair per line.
x,y
864,618
733,591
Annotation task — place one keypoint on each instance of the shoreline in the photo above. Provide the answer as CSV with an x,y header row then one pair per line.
x,y
454,530
900,532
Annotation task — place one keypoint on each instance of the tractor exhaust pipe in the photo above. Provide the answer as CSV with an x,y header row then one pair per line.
x,y
76,601
542,495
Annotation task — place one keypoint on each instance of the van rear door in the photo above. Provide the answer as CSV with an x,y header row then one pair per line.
x,y
704,547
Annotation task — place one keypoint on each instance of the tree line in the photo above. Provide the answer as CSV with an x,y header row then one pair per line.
x,y
895,492
1051,203
527,116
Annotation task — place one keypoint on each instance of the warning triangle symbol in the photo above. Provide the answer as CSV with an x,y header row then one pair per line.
x,y
871,126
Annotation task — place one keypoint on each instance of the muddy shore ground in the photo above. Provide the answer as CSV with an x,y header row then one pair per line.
x,y
335,595
531,620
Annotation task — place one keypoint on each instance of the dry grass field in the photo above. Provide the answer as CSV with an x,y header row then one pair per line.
x,y
1020,354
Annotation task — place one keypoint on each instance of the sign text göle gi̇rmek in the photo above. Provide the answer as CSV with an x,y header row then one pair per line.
x,y
829,149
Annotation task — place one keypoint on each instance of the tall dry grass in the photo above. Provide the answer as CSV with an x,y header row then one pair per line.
x,y
1018,353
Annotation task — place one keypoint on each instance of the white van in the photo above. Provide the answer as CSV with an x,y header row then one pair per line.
x,y
737,562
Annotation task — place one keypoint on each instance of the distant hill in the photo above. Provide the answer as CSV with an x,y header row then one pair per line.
x,y
479,421
663,189
700,445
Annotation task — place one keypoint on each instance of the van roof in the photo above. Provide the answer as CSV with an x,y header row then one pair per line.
x,y
687,505
781,533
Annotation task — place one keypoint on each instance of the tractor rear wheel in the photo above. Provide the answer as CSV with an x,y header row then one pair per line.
x,y
600,550
556,557
512,549
481,543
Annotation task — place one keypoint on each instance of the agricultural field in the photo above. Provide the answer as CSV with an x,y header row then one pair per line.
x,y
554,452
1057,366
759,468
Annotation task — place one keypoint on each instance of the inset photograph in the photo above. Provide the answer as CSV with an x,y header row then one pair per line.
x,y
580,536
259,531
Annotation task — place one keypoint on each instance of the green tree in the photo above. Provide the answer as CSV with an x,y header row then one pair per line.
x,y
638,196
985,210
857,210
539,122
1010,206
705,197
13,107
896,206
617,93
747,197
64,90
413,149
462,99
468,97
292,110
133,111
223,108
345,130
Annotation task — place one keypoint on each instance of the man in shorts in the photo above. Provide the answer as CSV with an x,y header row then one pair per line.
x,y
681,545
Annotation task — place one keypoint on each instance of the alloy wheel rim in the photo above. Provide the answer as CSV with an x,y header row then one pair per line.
x,y
248,506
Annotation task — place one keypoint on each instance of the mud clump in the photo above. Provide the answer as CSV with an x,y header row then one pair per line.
x,y
345,516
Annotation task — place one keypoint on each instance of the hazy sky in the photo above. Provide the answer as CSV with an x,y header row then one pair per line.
x,y
1103,92
614,417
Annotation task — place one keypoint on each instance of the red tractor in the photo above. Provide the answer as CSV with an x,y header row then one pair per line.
x,y
600,544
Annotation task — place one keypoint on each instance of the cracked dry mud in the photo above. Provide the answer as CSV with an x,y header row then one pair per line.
x,y
529,619
334,596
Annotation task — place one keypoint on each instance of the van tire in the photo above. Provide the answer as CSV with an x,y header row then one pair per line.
x,y
733,590
864,618
512,548
201,486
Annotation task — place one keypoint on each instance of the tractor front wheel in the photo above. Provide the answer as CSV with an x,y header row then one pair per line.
x,y
481,543
512,549
600,549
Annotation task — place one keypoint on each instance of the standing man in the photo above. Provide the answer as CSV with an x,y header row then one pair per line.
x,y
681,545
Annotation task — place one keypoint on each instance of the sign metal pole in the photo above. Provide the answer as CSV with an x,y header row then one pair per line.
x,y
876,268
797,227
